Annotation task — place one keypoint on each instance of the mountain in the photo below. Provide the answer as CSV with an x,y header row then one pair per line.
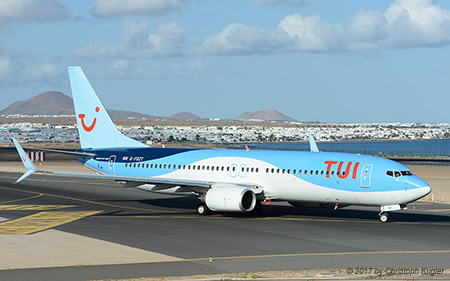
x,y
264,115
184,116
56,103
48,103
131,115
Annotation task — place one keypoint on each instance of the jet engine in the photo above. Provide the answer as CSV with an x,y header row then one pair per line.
x,y
230,199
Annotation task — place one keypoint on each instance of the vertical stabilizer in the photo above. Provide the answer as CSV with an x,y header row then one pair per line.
x,y
95,127
312,144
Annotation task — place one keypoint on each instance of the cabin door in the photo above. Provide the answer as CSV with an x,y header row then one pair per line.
x,y
366,175
112,165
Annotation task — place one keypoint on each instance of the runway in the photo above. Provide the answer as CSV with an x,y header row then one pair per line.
x,y
77,229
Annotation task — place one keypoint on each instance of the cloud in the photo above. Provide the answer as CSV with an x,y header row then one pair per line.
x,y
138,42
244,39
281,2
18,67
191,68
31,11
404,24
153,8
120,69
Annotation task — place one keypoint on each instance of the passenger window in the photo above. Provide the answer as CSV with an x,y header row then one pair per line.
x,y
273,170
234,169
212,168
311,172
293,171
321,173
283,171
332,173
288,171
267,170
257,170
228,169
278,171
317,172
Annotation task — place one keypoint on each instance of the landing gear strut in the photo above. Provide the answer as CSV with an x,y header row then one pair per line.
x,y
384,217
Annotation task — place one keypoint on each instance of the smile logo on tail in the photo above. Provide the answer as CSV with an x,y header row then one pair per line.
x,y
86,128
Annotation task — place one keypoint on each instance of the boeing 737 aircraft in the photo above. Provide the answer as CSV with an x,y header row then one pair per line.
x,y
228,180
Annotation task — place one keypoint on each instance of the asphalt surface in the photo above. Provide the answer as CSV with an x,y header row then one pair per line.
x,y
280,238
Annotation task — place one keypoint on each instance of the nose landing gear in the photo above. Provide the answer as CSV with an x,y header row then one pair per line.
x,y
384,217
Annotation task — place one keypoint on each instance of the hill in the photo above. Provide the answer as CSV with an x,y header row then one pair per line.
x,y
131,115
48,103
184,116
56,103
265,115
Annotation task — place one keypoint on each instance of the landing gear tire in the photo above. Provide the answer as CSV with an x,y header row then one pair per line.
x,y
384,217
203,210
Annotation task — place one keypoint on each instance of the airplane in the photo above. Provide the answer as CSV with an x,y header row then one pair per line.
x,y
232,180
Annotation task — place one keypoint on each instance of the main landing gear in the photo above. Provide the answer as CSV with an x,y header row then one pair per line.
x,y
203,210
384,217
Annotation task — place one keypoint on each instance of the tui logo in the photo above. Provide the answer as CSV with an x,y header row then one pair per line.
x,y
91,127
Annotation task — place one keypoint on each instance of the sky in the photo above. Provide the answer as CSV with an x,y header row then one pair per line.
x,y
312,60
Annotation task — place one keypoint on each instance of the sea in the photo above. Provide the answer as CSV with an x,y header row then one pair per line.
x,y
438,148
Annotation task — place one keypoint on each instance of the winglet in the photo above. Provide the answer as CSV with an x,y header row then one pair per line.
x,y
312,144
31,169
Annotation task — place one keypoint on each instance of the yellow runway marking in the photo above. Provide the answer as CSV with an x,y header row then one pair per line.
x,y
92,202
42,221
33,207
439,210
207,259
23,199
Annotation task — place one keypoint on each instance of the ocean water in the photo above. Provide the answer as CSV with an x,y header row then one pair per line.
x,y
391,148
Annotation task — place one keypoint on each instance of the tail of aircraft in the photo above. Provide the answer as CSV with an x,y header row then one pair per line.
x,y
95,127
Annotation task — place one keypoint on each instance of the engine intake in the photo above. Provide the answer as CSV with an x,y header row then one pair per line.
x,y
230,199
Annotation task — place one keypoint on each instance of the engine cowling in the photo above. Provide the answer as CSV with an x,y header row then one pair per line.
x,y
230,199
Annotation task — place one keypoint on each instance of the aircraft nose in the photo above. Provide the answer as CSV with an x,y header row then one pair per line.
x,y
422,187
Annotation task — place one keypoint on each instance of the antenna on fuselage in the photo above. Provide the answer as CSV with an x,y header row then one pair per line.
x,y
313,144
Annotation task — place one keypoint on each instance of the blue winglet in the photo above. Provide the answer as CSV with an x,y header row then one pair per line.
x,y
313,144
31,169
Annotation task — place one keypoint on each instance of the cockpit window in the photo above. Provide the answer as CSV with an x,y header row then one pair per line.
x,y
396,174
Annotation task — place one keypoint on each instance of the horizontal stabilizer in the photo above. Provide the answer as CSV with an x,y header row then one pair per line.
x,y
73,153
